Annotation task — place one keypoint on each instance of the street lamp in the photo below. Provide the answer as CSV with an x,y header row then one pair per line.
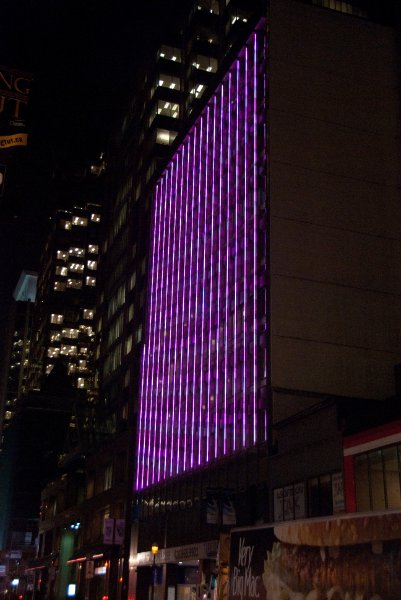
x,y
155,550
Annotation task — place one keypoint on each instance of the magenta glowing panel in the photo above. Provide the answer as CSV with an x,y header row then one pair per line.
x,y
200,369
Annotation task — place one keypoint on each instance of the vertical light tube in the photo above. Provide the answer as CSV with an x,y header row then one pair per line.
x,y
211,307
245,289
160,389
197,398
176,401
203,455
255,232
228,262
189,425
219,231
236,291
183,411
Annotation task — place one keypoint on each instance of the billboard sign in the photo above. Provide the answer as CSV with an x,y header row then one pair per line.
x,y
15,87
343,557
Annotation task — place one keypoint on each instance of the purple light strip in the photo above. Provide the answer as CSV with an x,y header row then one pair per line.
x,y
244,358
189,423
219,261
227,292
177,310
155,346
161,311
205,220
197,415
255,234
235,373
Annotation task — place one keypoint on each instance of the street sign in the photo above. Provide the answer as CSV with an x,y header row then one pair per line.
x,y
90,569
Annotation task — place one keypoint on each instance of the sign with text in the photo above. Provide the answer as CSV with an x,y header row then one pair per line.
x,y
113,531
15,87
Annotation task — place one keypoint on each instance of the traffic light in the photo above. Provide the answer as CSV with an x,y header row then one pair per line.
x,y
2,179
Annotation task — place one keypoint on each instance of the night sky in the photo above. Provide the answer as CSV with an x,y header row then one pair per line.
x,y
84,55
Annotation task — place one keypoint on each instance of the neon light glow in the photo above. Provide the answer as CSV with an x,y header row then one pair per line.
x,y
200,379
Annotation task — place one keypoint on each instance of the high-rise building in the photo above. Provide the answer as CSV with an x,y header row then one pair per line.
x,y
21,331
66,297
262,332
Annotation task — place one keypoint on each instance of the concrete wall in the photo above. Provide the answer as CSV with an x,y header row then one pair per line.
x,y
335,202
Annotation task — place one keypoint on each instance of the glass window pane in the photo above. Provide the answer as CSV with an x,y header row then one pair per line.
x,y
377,480
362,483
392,475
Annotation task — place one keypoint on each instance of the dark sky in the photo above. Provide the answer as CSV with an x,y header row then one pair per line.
x,y
84,55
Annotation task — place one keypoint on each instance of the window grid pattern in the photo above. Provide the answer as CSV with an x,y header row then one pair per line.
x,y
199,377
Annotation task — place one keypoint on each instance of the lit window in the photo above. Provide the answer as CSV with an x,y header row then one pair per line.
x,y
131,312
169,81
61,271
91,281
165,137
80,221
70,333
68,350
81,382
49,368
55,336
65,224
74,251
108,477
88,313
128,344
82,365
138,334
62,255
170,53
53,352
93,249
74,283
87,329
92,265
83,350
56,318
95,218
59,286
71,369
76,267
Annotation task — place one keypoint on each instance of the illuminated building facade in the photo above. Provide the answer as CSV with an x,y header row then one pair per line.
x,y
202,360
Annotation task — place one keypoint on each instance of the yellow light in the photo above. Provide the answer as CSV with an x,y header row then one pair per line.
x,y
155,548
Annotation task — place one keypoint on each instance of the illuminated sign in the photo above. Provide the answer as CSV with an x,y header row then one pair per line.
x,y
18,139
15,87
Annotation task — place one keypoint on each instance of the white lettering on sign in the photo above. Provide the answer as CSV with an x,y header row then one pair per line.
x,y
244,583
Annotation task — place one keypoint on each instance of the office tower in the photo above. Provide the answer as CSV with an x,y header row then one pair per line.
x,y
262,332
21,326
66,296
